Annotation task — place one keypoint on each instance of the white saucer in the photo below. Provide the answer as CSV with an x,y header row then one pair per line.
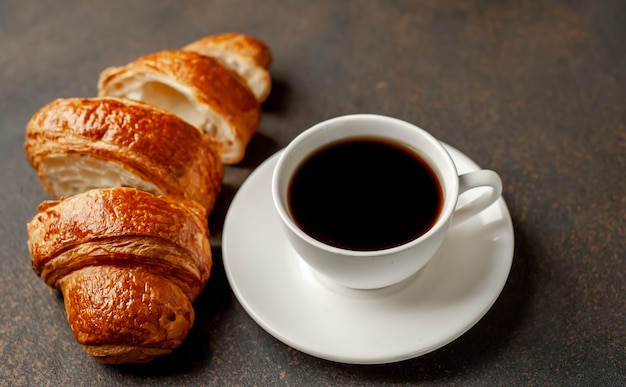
x,y
430,309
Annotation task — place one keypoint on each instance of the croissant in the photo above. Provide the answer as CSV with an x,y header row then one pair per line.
x,y
195,87
245,55
136,172
77,144
129,265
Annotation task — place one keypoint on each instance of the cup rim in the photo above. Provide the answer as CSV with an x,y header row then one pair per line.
x,y
450,194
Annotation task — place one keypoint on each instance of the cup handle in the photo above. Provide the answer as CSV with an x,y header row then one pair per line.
x,y
475,179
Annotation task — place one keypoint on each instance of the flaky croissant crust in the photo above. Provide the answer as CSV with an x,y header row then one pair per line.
x,y
245,55
129,265
123,315
149,142
122,227
130,261
246,46
205,83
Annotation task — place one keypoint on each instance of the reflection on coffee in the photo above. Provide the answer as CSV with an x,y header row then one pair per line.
x,y
365,194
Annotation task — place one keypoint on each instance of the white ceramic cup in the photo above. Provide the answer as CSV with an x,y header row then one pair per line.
x,y
380,268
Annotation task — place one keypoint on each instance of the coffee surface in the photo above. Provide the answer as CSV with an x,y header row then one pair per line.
x,y
365,194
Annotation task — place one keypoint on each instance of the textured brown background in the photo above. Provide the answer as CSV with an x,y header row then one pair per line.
x,y
533,89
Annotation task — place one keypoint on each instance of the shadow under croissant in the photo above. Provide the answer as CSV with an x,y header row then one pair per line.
x,y
258,150
279,98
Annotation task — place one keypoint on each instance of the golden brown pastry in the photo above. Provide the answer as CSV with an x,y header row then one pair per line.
x,y
77,144
197,88
247,56
129,265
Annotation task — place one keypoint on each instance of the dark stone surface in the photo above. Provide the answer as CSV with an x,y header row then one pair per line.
x,y
533,90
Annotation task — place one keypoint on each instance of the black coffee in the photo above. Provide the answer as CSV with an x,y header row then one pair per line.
x,y
365,194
